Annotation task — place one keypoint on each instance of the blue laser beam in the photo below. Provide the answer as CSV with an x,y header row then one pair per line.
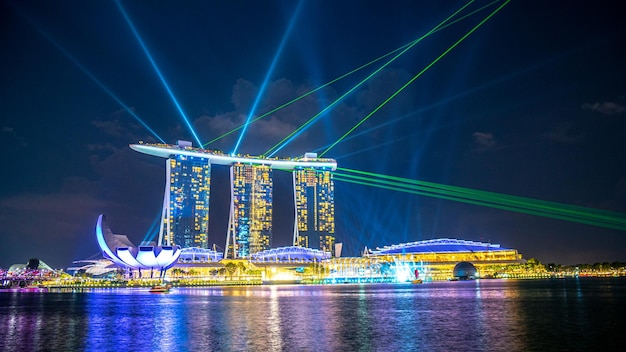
x,y
91,76
154,229
158,71
268,74
273,150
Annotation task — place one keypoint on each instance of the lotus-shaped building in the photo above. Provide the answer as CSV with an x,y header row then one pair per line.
x,y
121,251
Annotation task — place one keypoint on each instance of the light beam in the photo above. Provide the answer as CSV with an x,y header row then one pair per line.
x,y
158,72
273,150
269,73
344,76
91,76
416,76
531,206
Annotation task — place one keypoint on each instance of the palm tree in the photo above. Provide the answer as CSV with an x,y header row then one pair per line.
x,y
231,268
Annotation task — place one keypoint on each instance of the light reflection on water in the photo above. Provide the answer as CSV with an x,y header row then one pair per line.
x,y
487,315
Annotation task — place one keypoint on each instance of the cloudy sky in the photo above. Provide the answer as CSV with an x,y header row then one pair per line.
x,y
532,104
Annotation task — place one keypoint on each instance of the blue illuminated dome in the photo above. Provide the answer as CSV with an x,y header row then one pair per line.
x,y
122,252
441,245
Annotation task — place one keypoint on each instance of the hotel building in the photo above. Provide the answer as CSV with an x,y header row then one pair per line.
x,y
250,223
186,200
314,198
185,218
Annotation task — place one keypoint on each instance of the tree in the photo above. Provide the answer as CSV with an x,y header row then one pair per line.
x,y
241,267
231,268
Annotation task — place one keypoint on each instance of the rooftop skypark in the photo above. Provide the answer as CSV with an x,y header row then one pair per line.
x,y
221,158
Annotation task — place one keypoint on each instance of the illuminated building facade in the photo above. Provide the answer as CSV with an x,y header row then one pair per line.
x,y
250,223
186,202
314,193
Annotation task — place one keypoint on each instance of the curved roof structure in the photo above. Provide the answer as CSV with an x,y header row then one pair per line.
x,y
220,158
290,254
122,252
193,254
441,245
22,267
94,267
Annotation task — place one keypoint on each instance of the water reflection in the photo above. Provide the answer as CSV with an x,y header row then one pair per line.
x,y
491,315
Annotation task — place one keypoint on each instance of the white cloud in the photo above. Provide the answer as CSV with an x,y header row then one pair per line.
x,y
621,187
564,133
606,108
58,226
265,132
484,140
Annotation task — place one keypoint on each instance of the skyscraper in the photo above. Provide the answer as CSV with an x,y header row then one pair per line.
x,y
314,194
186,202
250,223
186,199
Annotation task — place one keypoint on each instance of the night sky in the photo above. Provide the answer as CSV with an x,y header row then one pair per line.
x,y
531,104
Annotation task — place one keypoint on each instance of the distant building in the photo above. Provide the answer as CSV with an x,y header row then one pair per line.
x,y
439,257
314,193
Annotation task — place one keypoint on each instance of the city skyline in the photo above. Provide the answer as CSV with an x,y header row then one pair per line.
x,y
529,104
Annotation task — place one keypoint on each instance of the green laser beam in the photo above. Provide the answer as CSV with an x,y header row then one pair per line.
x,y
346,75
503,201
415,77
331,105
487,204
515,200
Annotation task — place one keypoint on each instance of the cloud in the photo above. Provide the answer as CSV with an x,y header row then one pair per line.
x,y
113,127
265,132
484,141
56,214
607,108
47,226
243,95
58,226
564,133
380,87
621,188
108,147
12,137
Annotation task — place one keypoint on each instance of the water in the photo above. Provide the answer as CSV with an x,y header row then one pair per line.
x,y
487,315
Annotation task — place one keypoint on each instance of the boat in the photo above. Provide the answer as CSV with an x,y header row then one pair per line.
x,y
160,288
417,281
